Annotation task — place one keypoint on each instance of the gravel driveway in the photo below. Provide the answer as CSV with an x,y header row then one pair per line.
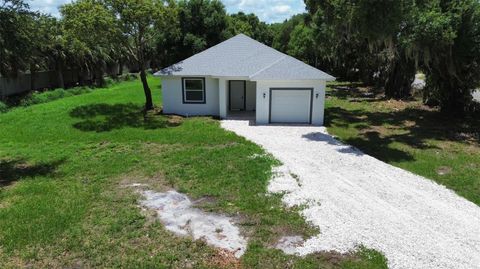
x,y
357,200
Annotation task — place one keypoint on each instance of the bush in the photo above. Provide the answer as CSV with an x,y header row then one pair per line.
x,y
109,82
48,96
128,77
3,107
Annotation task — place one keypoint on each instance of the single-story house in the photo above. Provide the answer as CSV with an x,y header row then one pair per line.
x,y
241,76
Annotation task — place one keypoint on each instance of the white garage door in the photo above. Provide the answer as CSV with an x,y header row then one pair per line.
x,y
290,105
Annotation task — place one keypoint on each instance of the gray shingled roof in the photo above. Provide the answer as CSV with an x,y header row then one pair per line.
x,y
241,56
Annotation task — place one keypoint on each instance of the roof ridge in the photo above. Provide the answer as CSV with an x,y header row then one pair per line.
x,y
284,55
266,67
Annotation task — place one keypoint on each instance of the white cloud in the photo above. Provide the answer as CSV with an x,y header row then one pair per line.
x,y
48,6
266,10
282,9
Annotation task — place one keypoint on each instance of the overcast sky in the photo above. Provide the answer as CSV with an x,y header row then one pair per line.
x,y
266,10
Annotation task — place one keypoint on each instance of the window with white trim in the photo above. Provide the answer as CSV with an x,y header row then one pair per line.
x,y
193,90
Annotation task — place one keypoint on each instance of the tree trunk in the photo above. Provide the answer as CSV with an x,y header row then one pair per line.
x,y
81,78
455,104
32,77
400,79
146,89
454,98
59,70
120,68
100,80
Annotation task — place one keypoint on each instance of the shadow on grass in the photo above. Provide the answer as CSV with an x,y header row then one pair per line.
x,y
14,170
107,117
357,92
413,127
353,90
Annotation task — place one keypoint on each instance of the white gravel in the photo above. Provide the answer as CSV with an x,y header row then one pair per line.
x,y
177,213
358,200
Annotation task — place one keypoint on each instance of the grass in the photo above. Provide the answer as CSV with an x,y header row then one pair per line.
x,y
408,135
48,95
64,164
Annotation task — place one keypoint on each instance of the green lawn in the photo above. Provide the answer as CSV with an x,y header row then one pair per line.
x,y
64,164
408,135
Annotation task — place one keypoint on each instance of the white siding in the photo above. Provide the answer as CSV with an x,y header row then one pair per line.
x,y
173,103
251,95
222,95
263,103
172,97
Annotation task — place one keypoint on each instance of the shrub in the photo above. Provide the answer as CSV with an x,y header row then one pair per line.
x,y
128,77
3,107
109,81
48,96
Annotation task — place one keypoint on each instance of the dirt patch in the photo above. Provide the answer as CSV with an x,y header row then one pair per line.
x,y
221,146
289,244
469,137
409,123
225,259
458,147
175,120
156,182
205,202
444,170
178,215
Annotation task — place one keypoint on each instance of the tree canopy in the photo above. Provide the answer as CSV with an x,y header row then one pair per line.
x,y
380,42
16,36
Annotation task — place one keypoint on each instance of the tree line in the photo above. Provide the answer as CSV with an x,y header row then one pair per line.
x,y
382,43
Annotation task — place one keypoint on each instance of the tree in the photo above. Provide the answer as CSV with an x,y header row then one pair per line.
x,y
282,31
439,36
447,38
92,32
202,24
167,40
139,20
16,36
50,48
250,25
302,44
379,28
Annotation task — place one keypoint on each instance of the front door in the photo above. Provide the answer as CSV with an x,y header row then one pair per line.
x,y
237,94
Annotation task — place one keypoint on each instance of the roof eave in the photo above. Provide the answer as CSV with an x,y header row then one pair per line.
x,y
294,79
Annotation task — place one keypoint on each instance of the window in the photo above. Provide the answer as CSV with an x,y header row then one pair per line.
x,y
193,90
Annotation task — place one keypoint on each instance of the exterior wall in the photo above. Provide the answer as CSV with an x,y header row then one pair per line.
x,y
173,98
222,95
251,96
263,102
